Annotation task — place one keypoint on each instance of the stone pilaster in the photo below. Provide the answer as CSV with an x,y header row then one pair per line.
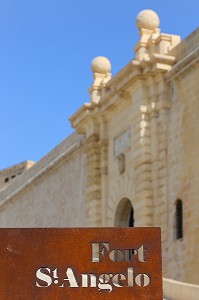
x,y
158,111
93,184
104,179
142,158
153,116
89,121
163,108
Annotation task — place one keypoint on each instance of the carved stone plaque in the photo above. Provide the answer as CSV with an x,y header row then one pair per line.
x,y
122,142
80,263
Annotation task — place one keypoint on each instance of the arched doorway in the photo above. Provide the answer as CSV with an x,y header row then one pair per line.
x,y
124,215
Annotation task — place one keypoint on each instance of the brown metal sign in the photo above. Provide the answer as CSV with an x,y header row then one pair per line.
x,y
80,263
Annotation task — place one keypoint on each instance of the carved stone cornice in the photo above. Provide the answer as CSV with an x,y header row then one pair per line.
x,y
116,95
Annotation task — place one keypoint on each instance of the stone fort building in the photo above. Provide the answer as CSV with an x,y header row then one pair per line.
x,y
133,159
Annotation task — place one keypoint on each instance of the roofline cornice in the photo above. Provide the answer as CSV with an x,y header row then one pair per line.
x,y
180,68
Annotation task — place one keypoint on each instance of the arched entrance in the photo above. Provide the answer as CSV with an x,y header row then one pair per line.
x,y
124,215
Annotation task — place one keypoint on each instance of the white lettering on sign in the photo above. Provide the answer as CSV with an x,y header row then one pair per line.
x,y
105,282
44,277
68,278
99,250
122,143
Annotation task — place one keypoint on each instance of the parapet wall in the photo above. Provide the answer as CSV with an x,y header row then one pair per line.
x,y
47,194
186,46
8,174
176,290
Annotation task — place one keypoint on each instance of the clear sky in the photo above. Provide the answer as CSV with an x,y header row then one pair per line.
x,y
46,47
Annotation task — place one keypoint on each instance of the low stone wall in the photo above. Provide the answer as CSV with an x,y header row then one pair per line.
x,y
176,290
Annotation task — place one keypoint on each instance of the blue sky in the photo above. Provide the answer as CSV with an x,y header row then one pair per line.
x,y
46,47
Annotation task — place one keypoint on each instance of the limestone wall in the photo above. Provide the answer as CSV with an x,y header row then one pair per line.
x,y
51,193
183,166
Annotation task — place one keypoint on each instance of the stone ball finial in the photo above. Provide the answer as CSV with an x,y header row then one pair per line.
x,y
101,65
147,19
